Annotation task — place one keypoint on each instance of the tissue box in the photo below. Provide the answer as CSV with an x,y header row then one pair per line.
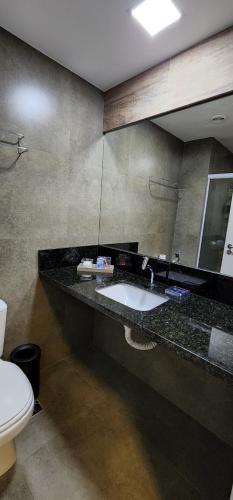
x,y
177,293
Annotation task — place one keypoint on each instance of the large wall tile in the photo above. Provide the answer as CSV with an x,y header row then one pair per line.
x,y
50,196
131,208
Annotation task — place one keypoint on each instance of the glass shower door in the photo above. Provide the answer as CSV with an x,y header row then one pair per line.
x,y
227,260
215,223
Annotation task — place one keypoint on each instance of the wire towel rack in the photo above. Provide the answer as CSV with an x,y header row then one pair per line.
x,y
162,181
167,184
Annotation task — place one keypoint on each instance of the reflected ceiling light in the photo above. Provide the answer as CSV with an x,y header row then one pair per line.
x,y
218,118
30,102
155,15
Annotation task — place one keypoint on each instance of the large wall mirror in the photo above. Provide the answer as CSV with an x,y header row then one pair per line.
x,y
167,187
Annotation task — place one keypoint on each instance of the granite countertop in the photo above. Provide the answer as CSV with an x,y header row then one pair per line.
x,y
199,329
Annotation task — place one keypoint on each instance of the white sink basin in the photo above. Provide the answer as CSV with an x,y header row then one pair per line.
x,y
132,296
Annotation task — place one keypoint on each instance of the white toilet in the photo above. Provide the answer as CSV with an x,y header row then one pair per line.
x,y
16,402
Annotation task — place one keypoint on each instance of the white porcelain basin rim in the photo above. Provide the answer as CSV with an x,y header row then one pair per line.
x,y
132,296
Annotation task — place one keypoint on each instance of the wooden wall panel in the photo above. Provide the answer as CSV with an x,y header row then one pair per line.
x,y
200,73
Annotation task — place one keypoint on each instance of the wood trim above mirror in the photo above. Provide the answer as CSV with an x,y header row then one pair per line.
x,y
199,74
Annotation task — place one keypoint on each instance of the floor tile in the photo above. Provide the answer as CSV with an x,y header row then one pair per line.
x,y
104,435
55,472
38,432
64,393
14,486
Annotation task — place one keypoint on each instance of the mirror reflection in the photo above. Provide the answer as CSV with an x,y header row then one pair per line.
x,y
167,187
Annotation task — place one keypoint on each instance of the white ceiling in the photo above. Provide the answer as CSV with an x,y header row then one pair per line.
x,y
100,41
195,123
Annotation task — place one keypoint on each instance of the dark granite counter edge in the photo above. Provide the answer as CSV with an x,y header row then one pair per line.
x,y
211,367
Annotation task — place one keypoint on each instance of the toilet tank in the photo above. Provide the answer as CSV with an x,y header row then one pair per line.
x,y
3,312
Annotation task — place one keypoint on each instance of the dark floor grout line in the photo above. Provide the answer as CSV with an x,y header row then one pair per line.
x,y
44,369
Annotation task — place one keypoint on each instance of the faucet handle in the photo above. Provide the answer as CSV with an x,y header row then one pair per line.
x,y
145,262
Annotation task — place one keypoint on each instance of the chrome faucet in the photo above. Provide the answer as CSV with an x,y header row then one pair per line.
x,y
146,266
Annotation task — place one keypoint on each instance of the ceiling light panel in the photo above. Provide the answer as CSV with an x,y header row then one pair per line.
x,y
155,15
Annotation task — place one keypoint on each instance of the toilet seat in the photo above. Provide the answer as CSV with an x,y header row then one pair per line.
x,y
16,395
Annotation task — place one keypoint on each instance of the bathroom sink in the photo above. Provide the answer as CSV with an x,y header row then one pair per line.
x,y
132,296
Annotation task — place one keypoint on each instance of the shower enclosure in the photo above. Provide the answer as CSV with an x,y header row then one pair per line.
x,y
215,250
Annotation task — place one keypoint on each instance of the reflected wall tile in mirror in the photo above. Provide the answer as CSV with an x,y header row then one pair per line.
x,y
155,176
129,210
192,181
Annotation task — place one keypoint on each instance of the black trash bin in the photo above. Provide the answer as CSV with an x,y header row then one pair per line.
x,y
27,357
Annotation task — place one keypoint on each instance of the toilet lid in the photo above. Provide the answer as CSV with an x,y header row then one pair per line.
x,y
15,391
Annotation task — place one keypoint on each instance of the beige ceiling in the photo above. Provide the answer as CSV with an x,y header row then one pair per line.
x,y
195,123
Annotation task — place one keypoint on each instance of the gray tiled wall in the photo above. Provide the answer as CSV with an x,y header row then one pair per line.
x,y
50,197
131,210
200,158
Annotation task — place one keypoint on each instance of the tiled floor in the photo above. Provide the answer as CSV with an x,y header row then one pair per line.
x,y
103,434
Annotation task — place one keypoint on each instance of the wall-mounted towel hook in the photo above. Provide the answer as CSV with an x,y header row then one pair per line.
x,y
22,150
